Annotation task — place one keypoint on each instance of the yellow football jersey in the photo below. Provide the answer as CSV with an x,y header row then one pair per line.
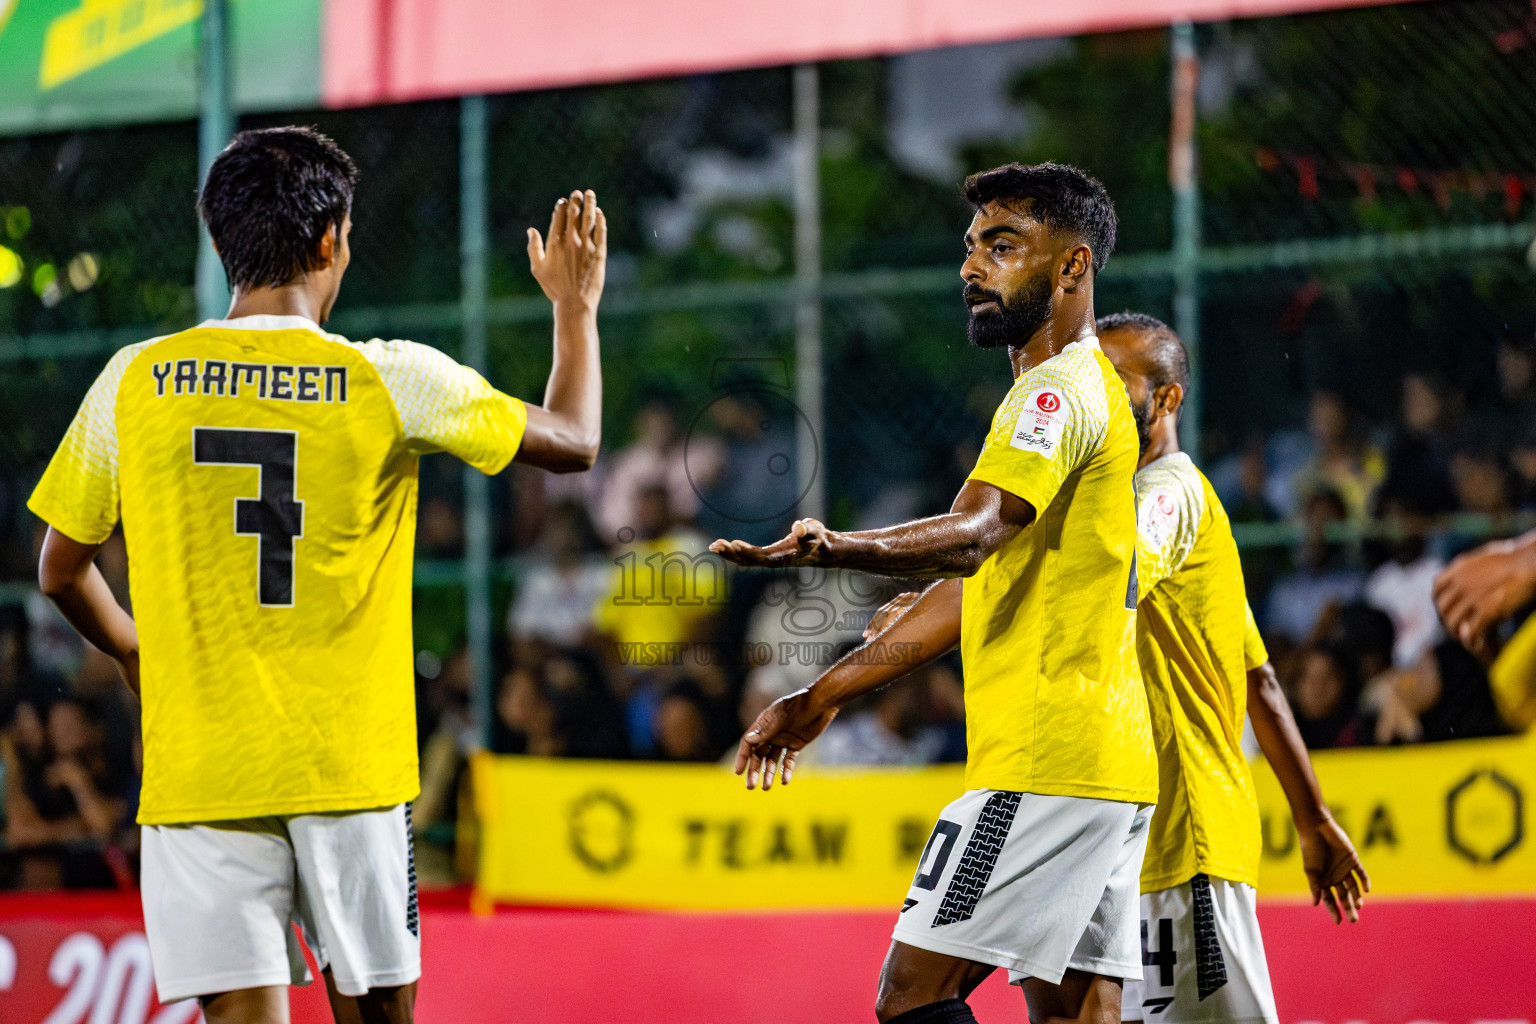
x,y
1196,641
266,476
1054,702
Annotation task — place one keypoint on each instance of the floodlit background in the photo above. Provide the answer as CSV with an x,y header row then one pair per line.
x,y
1334,207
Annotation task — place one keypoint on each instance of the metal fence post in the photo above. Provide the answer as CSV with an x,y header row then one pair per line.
x,y
473,245
810,435
215,124
1183,178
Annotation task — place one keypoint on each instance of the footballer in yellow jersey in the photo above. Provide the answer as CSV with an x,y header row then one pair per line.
x,y
264,472
1204,664
1034,868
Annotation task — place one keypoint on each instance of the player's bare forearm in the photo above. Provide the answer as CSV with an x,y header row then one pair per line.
x,y
923,633
955,544
564,434
67,576
1283,748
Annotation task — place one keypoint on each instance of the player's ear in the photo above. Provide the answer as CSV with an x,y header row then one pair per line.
x,y
1168,398
328,242
1076,265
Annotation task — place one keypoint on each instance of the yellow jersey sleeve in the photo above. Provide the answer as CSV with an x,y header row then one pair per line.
x,y
1052,421
1170,503
1513,678
1254,652
446,406
78,494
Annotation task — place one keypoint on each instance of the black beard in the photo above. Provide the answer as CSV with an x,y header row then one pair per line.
x,y
1013,322
1142,414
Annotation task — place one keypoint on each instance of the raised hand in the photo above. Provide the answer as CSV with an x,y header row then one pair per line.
x,y
572,265
1334,872
806,545
769,749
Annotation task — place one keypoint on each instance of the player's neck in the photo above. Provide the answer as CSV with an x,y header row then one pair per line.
x,y
288,300
1062,329
1164,441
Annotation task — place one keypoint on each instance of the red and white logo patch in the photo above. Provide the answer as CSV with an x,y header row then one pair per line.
x,y
1043,417
1165,504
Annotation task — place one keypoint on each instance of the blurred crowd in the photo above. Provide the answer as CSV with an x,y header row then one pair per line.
x,y
623,638
1348,610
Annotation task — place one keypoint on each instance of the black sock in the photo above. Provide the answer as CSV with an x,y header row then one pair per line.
x,y
947,1011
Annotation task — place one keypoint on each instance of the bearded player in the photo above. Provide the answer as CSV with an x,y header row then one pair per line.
x,y
1204,665
265,475
1033,869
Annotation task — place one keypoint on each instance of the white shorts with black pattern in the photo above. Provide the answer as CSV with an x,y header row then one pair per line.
x,y
1030,883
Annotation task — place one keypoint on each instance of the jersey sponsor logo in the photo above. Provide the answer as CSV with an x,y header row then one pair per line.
x,y
1039,426
1157,519
274,382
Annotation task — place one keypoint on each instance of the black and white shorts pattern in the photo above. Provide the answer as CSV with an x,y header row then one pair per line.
x,y
1034,884
221,900
1202,957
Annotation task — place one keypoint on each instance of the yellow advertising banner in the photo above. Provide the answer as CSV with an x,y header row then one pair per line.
x,y
1444,819
1450,819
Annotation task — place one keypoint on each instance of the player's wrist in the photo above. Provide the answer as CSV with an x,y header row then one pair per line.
x,y
575,306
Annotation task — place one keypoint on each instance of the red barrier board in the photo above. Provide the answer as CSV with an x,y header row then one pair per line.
x,y
72,960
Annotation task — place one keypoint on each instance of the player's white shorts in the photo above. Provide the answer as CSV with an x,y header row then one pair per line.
x,y
1202,957
1032,883
221,899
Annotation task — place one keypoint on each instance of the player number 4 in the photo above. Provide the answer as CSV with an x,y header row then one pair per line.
x,y
274,516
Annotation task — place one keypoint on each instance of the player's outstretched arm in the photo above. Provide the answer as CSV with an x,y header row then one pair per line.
x,y
982,519
1333,868
563,435
1485,586
927,629
67,576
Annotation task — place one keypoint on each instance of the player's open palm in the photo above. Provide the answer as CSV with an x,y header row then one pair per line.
x,y
769,749
572,264
1334,872
807,541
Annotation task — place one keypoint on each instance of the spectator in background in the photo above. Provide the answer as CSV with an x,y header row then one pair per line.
x,y
894,726
663,604
1419,458
688,725
1443,696
1522,459
67,804
1342,460
558,707
659,457
1322,577
1514,406
1324,688
1403,586
1483,485
753,496
19,677
563,581
1244,480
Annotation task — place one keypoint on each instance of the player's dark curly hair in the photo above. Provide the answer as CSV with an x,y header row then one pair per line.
x,y
269,199
1166,352
1065,199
